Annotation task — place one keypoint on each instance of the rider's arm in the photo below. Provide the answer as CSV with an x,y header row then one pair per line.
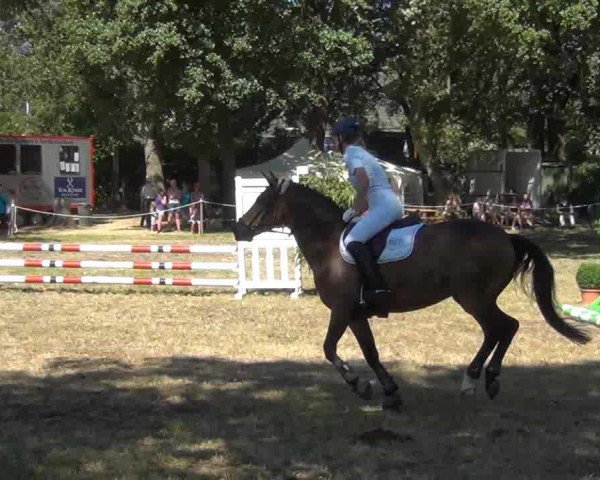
x,y
360,200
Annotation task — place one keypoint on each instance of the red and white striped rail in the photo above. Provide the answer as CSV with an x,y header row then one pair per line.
x,y
231,266
108,280
114,248
116,264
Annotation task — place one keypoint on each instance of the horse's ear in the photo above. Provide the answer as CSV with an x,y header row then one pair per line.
x,y
274,178
269,177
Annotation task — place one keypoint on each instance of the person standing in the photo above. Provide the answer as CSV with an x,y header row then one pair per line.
x,y
160,205
147,195
173,203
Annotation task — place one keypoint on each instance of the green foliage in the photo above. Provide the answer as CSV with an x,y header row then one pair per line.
x,y
588,275
586,179
328,176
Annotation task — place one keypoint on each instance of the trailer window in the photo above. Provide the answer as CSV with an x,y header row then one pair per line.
x,y
69,159
31,159
8,159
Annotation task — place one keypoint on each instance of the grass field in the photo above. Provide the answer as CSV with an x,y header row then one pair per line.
x,y
160,383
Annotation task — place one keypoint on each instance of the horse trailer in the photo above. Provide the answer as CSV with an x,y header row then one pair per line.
x,y
46,172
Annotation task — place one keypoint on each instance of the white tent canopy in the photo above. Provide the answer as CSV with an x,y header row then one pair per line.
x,y
300,158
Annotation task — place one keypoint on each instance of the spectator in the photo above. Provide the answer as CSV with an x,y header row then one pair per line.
x,y
195,197
147,195
174,202
510,212
452,208
160,205
153,215
565,212
496,211
524,213
186,196
4,205
479,209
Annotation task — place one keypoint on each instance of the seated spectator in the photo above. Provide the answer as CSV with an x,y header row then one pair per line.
x,y
449,211
566,214
495,210
510,212
479,209
524,213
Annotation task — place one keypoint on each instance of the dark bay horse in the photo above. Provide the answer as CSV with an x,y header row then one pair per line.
x,y
470,261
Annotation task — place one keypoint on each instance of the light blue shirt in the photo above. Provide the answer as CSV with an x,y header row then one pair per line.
x,y
356,157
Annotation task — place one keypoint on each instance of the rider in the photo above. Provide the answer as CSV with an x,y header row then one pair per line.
x,y
375,196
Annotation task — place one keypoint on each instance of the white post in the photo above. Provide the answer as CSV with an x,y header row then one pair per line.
x,y
12,220
241,270
297,276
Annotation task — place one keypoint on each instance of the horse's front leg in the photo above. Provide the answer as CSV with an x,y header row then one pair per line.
x,y
338,323
362,331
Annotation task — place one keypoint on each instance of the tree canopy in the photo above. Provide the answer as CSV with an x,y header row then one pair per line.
x,y
211,77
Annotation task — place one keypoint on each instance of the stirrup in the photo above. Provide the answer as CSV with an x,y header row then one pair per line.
x,y
374,307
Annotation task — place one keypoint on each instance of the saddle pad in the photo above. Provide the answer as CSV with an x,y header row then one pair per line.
x,y
398,246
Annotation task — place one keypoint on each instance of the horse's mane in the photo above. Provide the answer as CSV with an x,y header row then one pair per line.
x,y
323,206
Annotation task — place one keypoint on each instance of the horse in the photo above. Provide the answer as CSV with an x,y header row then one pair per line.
x,y
468,260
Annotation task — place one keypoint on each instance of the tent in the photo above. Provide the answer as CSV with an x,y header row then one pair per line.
x,y
299,159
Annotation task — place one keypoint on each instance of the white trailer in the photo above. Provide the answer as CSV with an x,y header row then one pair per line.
x,y
39,170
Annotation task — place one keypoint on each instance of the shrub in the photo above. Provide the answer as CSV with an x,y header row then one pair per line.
x,y
588,275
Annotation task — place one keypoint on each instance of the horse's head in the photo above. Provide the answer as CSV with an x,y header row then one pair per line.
x,y
266,213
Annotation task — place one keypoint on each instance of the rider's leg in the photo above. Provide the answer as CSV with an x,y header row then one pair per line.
x,y
376,292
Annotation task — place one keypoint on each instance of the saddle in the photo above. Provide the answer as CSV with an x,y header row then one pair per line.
x,y
394,242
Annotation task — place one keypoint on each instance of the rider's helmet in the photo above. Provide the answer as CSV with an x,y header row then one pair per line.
x,y
347,130
346,126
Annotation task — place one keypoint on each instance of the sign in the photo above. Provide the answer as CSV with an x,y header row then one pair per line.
x,y
69,187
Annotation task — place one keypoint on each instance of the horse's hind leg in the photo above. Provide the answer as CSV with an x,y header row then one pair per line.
x,y
506,328
481,313
498,330
338,323
474,369
363,334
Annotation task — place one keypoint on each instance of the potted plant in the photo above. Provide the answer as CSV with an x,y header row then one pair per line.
x,y
588,280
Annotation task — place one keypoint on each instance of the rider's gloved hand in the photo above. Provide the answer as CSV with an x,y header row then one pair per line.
x,y
349,215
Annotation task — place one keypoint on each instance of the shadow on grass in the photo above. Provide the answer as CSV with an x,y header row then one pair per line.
x,y
579,242
213,418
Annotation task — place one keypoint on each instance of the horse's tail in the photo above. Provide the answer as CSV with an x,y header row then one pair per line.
x,y
530,257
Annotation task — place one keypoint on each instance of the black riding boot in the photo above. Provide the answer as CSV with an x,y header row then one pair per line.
x,y
375,293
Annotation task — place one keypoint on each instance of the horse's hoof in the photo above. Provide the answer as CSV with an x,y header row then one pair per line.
x,y
492,389
468,392
351,379
363,389
392,402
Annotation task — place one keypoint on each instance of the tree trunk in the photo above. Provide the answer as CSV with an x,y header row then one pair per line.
x,y
556,138
227,157
114,187
203,163
154,170
315,125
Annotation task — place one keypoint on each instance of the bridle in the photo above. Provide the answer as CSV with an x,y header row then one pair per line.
x,y
282,186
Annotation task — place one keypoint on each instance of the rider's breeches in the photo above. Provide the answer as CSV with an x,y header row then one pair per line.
x,y
384,209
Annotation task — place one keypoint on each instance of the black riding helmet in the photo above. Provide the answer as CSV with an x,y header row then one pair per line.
x,y
347,130
346,126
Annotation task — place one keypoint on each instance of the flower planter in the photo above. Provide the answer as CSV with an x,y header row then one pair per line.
x,y
589,295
